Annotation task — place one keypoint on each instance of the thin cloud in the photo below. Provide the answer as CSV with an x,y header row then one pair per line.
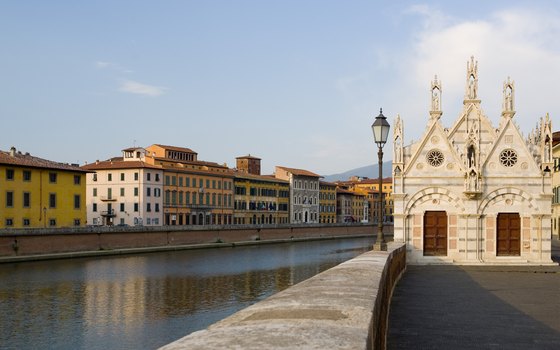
x,y
103,64
134,87
516,42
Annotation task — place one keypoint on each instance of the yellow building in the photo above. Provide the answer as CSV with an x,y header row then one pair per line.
x,y
327,202
195,192
370,188
39,193
259,199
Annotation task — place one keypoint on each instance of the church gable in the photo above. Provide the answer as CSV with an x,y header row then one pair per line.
x,y
509,155
434,156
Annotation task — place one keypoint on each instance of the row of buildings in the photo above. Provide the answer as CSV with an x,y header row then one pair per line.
x,y
167,185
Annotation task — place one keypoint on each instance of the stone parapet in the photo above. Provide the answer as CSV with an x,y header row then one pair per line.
x,y
345,307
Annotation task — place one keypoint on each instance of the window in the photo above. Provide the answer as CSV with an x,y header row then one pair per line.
x,y
27,175
109,177
9,222
9,199
135,207
9,174
122,191
136,191
180,182
148,191
52,222
135,176
109,193
95,192
435,158
187,182
207,183
26,222
26,199
76,222
508,158
157,192
77,201
167,180
52,178
148,207
52,200
173,180
94,209
77,179
122,176
157,177
157,209
121,207
148,176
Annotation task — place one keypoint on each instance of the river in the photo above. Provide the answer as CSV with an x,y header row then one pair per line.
x,y
144,301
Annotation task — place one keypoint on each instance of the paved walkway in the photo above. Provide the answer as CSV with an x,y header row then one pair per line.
x,y
467,307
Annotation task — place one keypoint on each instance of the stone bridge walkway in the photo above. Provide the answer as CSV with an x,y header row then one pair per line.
x,y
468,307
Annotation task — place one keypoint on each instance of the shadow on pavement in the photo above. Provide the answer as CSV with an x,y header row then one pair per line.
x,y
459,307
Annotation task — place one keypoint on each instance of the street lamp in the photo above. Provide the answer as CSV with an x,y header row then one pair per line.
x,y
380,130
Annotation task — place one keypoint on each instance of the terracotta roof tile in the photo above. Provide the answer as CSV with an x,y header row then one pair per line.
x,y
175,148
299,172
27,160
118,164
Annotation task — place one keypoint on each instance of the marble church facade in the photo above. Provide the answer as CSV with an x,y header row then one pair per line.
x,y
474,193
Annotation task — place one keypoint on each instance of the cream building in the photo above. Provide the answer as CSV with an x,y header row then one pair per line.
x,y
304,194
125,191
473,193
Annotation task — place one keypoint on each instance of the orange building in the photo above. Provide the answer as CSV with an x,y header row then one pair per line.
x,y
195,192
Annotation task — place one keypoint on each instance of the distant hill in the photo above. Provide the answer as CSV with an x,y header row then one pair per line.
x,y
371,171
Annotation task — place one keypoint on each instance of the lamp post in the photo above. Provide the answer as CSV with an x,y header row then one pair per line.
x,y
380,128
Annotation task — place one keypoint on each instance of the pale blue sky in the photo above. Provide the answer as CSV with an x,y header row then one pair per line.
x,y
296,83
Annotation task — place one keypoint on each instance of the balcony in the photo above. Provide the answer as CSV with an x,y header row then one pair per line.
x,y
108,199
108,213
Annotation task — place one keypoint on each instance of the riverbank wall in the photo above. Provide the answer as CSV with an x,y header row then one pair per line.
x,y
21,245
345,307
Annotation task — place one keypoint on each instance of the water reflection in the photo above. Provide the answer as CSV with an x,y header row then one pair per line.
x,y
145,301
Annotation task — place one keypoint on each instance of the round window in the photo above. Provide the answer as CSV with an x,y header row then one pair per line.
x,y
435,158
508,158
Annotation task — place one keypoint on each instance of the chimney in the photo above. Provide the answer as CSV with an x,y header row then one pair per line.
x,y
13,151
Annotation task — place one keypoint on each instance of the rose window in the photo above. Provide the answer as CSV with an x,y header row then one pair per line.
x,y
435,158
508,158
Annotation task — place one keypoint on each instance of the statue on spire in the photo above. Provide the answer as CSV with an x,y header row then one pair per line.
x,y
472,80
508,100
435,108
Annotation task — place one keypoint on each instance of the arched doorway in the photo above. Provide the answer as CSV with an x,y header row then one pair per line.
x,y
508,234
435,233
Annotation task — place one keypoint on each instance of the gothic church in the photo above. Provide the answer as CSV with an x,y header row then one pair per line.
x,y
472,193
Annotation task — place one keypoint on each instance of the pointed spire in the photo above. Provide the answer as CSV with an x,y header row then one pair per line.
x,y
435,107
398,140
471,90
508,104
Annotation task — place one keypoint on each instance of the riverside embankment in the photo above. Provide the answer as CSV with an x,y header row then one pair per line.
x,y
23,245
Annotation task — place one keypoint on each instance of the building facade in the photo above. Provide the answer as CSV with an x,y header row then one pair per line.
x,y
39,193
125,191
195,192
472,193
304,194
370,188
259,199
327,202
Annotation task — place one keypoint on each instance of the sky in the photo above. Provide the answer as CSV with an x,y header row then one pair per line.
x,y
296,83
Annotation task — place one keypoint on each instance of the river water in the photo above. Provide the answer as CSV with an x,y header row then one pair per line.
x,y
145,301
